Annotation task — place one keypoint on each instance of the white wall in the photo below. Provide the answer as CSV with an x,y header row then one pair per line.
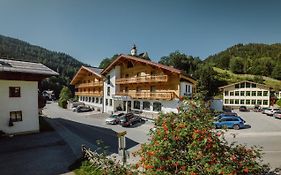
x,y
112,85
27,103
184,90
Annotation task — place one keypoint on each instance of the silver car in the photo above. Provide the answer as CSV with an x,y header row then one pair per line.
x,y
114,119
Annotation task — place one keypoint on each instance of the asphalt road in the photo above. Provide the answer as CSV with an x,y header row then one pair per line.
x,y
263,131
86,128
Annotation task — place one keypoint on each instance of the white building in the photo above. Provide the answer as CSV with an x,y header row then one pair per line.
x,y
133,83
19,95
246,93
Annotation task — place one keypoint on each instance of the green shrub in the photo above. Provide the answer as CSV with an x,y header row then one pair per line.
x,y
62,103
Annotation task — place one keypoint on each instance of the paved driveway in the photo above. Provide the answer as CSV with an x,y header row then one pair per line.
x,y
43,154
263,131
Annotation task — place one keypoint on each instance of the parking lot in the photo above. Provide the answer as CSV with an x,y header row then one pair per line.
x,y
263,131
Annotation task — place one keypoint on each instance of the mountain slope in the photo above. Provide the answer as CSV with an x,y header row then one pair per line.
x,y
64,64
256,59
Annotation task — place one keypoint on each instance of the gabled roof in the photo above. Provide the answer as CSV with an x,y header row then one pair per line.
x,y
233,84
78,75
127,57
25,67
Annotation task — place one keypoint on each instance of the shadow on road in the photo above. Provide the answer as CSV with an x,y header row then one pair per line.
x,y
92,134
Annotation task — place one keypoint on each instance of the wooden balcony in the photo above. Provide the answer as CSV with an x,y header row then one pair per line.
x,y
89,94
149,95
143,79
92,84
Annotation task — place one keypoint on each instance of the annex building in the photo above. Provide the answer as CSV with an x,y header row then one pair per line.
x,y
246,93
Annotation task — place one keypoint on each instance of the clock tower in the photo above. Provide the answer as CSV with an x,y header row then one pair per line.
x,y
134,51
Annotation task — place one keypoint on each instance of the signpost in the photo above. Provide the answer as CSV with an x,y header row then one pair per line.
x,y
122,145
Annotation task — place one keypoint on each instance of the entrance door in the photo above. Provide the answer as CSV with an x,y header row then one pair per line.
x,y
124,106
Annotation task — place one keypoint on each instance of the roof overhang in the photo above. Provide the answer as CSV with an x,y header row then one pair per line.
x,y
81,73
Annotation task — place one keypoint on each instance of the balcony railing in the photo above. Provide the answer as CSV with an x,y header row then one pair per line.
x,y
143,79
91,94
92,84
149,95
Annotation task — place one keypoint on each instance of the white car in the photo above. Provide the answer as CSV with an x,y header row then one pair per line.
x,y
114,119
271,111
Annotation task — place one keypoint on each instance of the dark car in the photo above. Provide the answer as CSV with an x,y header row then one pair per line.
x,y
243,109
83,109
130,120
234,122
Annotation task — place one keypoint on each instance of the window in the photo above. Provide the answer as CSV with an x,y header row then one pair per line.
x,y
138,89
248,93
187,88
248,102
106,102
108,79
236,93
86,98
254,93
231,93
100,100
93,100
136,105
146,105
108,91
236,101
265,93
253,102
226,93
152,89
248,85
15,116
126,89
226,101
157,106
97,100
254,85
14,91
110,102
242,93
242,102
242,85
231,101
265,102
259,102
236,86
90,99
259,93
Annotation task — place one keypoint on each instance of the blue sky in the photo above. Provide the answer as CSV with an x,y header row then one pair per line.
x,y
91,30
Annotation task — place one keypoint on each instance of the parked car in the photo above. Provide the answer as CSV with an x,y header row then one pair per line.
x,y
131,120
74,107
271,111
243,109
277,115
234,122
263,110
257,108
114,119
83,109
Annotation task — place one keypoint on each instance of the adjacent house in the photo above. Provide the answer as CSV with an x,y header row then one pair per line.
x,y
19,95
133,83
88,84
246,93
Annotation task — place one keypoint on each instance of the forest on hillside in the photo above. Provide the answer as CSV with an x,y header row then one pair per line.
x,y
64,64
256,59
